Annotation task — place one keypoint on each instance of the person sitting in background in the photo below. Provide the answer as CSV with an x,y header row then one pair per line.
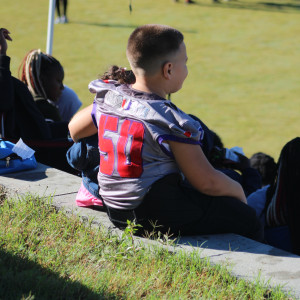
x,y
277,204
265,165
267,168
43,74
84,155
68,104
21,118
237,166
20,115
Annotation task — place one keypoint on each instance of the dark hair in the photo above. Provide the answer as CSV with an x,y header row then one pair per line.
x,y
216,139
265,165
34,65
119,74
283,205
150,46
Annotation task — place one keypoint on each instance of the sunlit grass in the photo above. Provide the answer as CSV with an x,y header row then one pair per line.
x,y
244,62
45,254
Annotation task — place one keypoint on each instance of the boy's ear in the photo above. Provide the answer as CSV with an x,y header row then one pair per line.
x,y
167,70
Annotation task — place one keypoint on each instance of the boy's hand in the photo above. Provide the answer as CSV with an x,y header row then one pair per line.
x,y
4,35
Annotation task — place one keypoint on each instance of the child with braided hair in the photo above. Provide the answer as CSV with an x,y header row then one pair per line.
x,y
43,75
20,115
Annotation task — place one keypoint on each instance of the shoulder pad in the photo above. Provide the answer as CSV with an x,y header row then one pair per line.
x,y
98,85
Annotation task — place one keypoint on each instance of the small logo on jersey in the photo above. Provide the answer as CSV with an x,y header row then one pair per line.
x,y
187,133
126,104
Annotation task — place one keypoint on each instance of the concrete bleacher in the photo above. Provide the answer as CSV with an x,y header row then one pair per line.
x,y
244,258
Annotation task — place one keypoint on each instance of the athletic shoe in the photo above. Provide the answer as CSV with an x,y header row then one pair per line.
x,y
57,20
64,20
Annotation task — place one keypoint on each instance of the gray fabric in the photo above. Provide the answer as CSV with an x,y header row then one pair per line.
x,y
161,121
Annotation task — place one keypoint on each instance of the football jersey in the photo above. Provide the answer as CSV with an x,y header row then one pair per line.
x,y
133,131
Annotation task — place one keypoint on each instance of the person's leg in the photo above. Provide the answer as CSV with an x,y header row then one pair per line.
x,y
185,211
229,215
290,175
57,7
65,7
284,205
58,18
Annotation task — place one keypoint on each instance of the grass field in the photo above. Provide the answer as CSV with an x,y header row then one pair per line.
x,y
244,61
45,254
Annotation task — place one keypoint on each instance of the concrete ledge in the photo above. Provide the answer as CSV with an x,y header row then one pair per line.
x,y
244,258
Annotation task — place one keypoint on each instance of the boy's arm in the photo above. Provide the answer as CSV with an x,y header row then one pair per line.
x,y
202,175
82,124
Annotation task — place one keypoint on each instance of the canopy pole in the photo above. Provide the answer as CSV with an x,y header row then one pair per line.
x,y
50,26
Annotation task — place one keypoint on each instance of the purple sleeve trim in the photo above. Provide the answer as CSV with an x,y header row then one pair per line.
x,y
93,114
167,137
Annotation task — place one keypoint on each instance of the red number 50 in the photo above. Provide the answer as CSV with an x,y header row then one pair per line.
x,y
127,152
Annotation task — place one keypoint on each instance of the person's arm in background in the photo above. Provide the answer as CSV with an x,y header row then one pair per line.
x,y
68,104
6,85
251,179
201,175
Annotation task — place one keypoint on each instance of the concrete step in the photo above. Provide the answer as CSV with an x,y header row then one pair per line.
x,y
243,257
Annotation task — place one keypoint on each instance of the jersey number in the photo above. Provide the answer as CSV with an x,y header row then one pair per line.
x,y
128,149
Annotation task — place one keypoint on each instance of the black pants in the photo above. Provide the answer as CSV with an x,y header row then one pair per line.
x,y
181,210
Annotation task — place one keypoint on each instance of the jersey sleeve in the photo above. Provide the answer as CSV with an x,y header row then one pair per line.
x,y
99,88
172,124
94,114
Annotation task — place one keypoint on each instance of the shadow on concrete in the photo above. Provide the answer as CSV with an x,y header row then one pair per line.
x,y
30,175
21,277
233,243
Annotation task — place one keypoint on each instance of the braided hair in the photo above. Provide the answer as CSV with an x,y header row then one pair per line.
x,y
34,65
119,74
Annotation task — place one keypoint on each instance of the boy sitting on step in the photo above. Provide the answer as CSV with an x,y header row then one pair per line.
x,y
147,145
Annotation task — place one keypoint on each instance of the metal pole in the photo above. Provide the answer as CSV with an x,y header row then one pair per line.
x,y
50,26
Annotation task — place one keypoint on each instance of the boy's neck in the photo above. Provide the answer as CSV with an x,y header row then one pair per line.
x,y
149,85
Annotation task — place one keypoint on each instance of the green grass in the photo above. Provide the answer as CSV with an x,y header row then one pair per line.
x,y
45,254
244,61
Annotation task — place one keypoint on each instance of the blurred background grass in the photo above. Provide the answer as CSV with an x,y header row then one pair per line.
x,y
244,58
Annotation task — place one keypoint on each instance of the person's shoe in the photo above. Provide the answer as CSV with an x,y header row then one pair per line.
x,y
190,2
64,20
57,20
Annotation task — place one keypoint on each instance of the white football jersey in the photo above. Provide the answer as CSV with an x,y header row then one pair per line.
x,y
133,133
